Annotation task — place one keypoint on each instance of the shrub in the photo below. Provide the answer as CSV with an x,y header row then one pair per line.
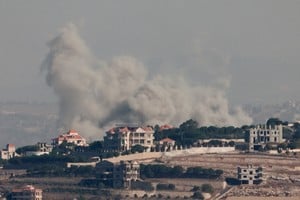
x,y
207,188
162,186
195,188
139,185
198,195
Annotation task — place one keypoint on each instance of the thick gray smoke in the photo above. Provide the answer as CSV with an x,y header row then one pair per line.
x,y
95,93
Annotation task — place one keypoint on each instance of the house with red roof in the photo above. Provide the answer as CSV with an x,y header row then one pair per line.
x,y
27,192
125,137
167,142
71,136
165,127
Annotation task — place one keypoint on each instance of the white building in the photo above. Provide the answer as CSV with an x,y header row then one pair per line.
x,y
263,134
71,136
124,138
9,152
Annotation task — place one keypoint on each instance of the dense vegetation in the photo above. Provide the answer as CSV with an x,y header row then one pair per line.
x,y
163,186
162,171
189,133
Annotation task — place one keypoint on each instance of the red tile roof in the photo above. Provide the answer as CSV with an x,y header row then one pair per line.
x,y
165,127
168,140
70,135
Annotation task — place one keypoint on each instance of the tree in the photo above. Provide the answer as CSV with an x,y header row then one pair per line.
x,y
96,146
195,188
189,125
24,149
274,121
197,195
138,148
207,188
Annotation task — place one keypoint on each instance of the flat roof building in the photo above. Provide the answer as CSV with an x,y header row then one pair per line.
x,y
118,175
27,192
263,134
250,175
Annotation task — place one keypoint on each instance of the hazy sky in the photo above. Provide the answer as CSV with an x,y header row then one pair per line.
x,y
254,44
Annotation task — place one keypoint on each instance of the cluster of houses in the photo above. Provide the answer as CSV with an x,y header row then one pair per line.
x,y
120,138
123,138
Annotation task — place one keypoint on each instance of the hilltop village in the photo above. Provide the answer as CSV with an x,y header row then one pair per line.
x,y
136,161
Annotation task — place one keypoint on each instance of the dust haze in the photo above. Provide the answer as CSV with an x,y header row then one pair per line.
x,y
95,94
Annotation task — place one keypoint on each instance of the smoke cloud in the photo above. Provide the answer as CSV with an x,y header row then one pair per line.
x,y
94,94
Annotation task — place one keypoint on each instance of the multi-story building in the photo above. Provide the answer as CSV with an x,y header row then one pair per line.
x,y
124,138
9,152
42,149
71,136
263,134
118,175
27,192
250,175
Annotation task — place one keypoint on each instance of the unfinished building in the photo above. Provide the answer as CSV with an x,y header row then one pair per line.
x,y
263,134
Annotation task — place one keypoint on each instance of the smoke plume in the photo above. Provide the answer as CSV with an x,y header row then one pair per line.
x,y
96,94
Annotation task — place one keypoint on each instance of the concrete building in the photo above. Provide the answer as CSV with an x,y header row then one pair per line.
x,y
9,152
263,134
118,175
71,136
125,137
27,192
250,175
42,149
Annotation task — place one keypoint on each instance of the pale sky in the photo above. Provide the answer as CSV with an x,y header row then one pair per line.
x,y
254,43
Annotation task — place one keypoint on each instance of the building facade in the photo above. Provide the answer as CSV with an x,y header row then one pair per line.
x,y
124,138
9,152
250,175
42,149
118,175
263,134
71,136
27,192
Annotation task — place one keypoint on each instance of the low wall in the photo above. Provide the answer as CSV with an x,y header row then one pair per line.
x,y
199,150
136,156
154,155
81,164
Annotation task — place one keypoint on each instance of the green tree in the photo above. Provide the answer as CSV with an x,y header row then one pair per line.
x,y
274,121
198,195
138,148
207,188
96,146
24,149
189,125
